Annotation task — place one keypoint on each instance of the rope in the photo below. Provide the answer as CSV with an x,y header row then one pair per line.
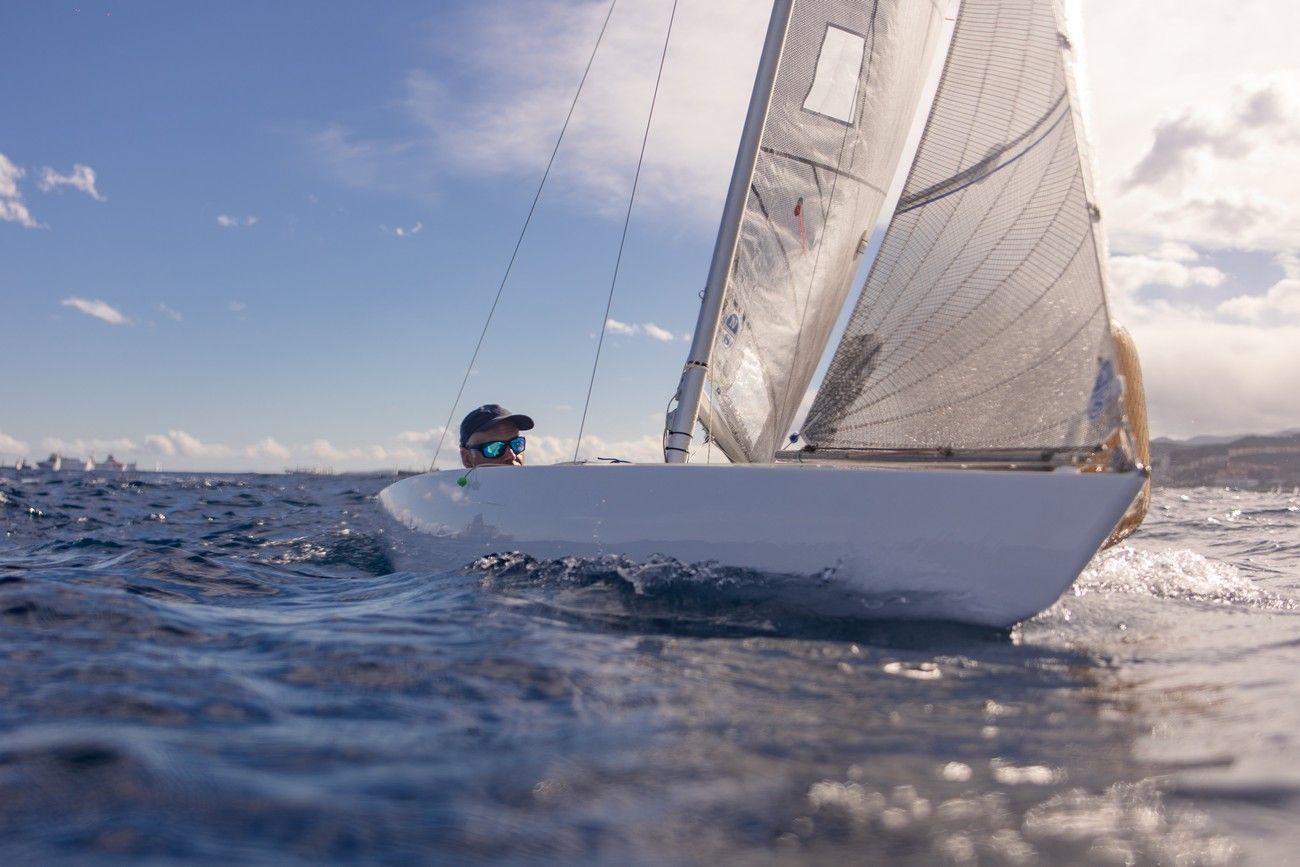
x,y
627,219
519,242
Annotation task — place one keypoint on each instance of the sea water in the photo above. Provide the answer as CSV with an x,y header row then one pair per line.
x,y
227,669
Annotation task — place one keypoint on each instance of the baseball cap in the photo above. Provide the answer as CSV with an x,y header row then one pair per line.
x,y
487,415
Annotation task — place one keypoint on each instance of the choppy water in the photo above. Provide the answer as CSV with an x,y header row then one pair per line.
x,y
226,669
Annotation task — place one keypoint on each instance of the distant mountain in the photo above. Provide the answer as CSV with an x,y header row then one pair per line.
x,y
1202,440
1211,440
1249,461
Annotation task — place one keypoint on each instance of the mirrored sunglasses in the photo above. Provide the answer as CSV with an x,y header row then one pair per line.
x,y
493,450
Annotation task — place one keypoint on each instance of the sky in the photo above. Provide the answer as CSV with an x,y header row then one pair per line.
x,y
250,236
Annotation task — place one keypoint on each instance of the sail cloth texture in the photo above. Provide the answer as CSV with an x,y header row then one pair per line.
x,y
846,90
983,322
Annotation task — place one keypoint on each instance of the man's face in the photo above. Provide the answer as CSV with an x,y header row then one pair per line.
x,y
504,431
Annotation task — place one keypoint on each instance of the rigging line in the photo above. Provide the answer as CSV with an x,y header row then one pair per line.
x,y
523,231
627,219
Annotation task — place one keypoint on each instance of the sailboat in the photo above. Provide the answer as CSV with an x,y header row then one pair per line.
x,y
968,450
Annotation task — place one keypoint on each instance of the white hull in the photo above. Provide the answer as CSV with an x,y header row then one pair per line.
x,y
986,547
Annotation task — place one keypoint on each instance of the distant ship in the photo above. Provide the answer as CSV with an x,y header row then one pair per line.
x,y
58,463
113,465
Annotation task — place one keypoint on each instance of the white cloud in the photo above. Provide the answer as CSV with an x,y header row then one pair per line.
x,y
1205,376
427,438
82,447
1177,251
1198,158
1221,370
178,442
169,312
1168,266
544,449
228,222
322,448
416,447
402,232
12,209
517,64
266,448
160,444
386,166
266,454
98,309
10,445
82,178
613,326
408,449
1277,306
9,175
661,334
632,329
237,306
1189,150
368,455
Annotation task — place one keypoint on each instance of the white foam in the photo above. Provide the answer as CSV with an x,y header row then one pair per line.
x,y
1173,574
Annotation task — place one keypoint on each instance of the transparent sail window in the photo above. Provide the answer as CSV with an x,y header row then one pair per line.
x,y
835,83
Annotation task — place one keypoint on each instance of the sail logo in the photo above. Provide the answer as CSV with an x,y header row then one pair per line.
x,y
1105,389
731,326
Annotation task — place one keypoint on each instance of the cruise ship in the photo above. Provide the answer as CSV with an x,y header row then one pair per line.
x,y
58,463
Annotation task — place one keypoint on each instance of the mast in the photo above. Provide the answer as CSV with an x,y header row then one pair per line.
x,y
681,421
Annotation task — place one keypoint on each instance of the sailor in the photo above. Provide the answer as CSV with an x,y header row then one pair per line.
x,y
489,436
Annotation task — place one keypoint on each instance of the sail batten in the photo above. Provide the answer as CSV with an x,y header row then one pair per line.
x,y
983,322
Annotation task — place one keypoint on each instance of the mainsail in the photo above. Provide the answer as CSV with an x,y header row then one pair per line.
x,y
983,323
849,80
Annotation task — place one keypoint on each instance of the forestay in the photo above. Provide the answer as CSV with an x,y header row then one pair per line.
x,y
983,323
846,90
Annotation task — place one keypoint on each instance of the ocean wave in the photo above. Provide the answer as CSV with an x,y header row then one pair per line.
x,y
1175,574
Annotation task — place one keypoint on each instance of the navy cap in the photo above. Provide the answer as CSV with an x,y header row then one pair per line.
x,y
486,416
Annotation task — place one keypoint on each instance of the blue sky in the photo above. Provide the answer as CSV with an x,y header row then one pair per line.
x,y
300,211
